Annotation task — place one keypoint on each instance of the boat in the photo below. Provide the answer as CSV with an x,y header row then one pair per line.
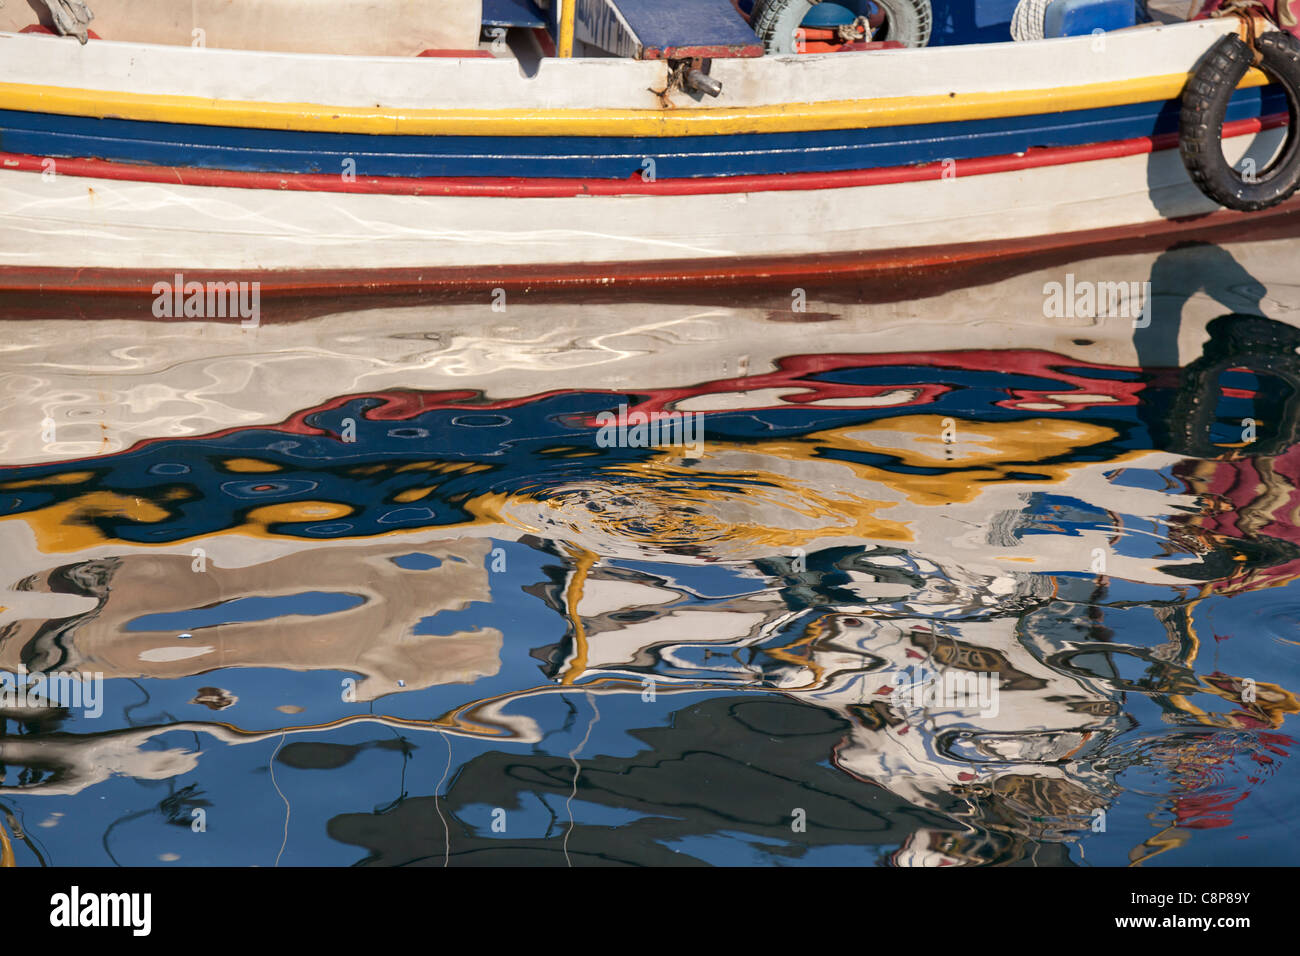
x,y
169,149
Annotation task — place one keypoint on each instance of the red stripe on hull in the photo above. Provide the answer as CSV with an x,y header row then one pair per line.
x,y
635,186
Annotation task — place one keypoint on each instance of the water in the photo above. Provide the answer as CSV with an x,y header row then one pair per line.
x,y
941,580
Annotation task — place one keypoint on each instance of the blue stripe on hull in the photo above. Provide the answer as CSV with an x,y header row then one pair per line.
x,y
591,157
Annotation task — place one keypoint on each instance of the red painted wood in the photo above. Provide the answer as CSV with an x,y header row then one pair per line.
x,y
545,41
701,51
561,188
857,46
456,53
46,31
1270,13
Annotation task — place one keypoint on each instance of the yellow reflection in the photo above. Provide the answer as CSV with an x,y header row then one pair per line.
x,y
777,494
980,452
66,478
289,512
412,494
583,562
249,465
7,858
69,525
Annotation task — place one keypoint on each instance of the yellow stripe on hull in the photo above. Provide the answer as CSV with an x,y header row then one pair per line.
x,y
783,118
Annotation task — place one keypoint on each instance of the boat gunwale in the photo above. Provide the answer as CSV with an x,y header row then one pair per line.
x,y
969,98
786,118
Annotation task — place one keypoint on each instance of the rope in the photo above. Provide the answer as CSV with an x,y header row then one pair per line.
x,y
1027,21
1242,9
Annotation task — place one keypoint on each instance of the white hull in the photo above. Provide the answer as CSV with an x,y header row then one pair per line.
x,y
89,223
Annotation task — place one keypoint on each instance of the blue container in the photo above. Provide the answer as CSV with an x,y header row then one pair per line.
x,y
1072,18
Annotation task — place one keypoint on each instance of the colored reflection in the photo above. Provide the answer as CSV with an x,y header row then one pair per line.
x,y
887,606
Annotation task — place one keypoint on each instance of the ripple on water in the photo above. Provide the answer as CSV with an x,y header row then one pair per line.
x,y
671,512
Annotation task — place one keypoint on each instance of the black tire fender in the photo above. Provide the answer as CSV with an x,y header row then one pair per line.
x,y
1204,106
1266,348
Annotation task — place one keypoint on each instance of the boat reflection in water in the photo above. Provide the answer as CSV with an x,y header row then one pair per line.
x,y
374,588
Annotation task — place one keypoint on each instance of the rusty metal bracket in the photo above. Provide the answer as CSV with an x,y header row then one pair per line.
x,y
691,76
1247,11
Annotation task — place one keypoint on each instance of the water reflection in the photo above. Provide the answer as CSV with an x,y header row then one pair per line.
x,y
373,588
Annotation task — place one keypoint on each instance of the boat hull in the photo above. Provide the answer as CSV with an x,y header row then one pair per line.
x,y
125,186
147,230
